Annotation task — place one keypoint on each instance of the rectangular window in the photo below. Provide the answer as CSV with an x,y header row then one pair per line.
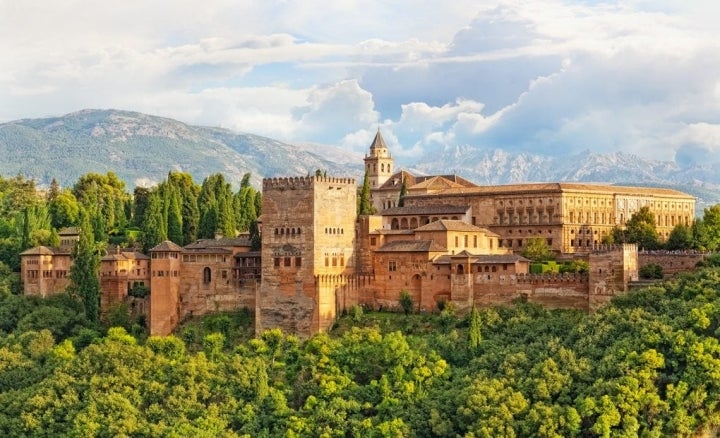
x,y
287,261
277,262
392,266
298,261
373,241
223,274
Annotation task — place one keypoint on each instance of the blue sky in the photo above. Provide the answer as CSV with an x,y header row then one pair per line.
x,y
554,77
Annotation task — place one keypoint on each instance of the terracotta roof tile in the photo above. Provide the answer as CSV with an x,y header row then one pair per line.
x,y
167,246
412,246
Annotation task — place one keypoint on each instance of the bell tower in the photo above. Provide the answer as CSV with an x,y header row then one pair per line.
x,y
379,164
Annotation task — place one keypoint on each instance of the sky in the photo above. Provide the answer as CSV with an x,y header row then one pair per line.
x,y
549,77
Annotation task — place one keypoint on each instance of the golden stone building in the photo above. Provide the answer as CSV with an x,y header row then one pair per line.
x,y
571,217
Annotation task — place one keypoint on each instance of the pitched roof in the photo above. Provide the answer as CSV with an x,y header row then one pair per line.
x,y
378,142
125,255
449,225
424,209
167,246
422,182
219,242
481,259
42,250
412,246
435,183
69,231
213,250
559,187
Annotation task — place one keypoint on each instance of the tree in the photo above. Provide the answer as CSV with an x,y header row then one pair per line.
x,y
708,230
83,272
154,228
406,302
538,250
681,237
651,271
255,238
403,193
641,229
474,331
364,204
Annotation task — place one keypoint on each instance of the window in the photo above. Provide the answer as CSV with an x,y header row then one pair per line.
x,y
392,266
276,261
298,261
373,241
206,275
286,261
223,274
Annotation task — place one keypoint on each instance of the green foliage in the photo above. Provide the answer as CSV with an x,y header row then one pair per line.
x,y
538,250
364,204
681,237
651,271
403,194
707,230
648,364
640,229
84,282
575,267
406,302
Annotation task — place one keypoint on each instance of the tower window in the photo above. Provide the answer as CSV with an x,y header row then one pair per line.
x,y
207,276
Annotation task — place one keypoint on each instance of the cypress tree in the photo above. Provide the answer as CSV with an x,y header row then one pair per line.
x,y
403,193
364,204
153,228
83,272
474,331
174,217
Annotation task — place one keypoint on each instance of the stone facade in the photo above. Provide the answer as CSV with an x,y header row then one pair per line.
x,y
308,251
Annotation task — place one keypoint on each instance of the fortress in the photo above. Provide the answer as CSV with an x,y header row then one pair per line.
x,y
448,240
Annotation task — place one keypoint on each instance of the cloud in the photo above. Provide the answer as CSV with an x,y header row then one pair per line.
x,y
550,76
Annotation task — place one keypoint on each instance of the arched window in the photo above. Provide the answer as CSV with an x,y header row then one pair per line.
x,y
460,269
207,276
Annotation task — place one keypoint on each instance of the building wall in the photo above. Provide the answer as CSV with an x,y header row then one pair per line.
x,y
164,292
321,211
672,262
44,275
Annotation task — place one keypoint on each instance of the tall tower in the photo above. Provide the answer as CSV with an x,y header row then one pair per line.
x,y
165,263
308,237
379,164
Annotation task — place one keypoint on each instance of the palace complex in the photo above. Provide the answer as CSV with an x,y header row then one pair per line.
x,y
448,240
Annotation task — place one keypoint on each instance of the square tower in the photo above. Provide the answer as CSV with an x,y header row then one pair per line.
x,y
308,249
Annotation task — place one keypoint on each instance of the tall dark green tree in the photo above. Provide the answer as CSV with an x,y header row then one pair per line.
x,y
474,331
141,199
83,272
681,237
174,216
364,204
255,238
403,194
154,228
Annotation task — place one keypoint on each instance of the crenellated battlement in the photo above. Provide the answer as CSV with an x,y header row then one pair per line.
x,y
304,182
552,277
606,248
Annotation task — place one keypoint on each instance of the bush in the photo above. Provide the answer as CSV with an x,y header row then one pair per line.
x,y
651,271
406,302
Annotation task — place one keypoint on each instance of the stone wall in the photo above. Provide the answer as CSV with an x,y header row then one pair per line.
x,y
672,262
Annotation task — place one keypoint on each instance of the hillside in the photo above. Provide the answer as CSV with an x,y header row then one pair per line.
x,y
141,149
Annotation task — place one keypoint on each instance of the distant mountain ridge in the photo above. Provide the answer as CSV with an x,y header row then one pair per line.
x,y
141,149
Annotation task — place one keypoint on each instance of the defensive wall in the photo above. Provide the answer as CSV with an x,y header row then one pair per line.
x,y
672,262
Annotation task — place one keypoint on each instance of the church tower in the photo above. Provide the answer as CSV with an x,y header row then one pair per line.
x,y
379,164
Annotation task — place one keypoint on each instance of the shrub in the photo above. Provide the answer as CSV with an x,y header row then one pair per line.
x,y
651,271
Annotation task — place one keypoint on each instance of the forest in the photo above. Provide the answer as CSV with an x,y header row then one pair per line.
x,y
646,365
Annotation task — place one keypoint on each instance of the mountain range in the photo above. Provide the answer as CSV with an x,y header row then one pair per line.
x,y
141,149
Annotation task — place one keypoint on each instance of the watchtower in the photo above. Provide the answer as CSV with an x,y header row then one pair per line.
x,y
308,235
